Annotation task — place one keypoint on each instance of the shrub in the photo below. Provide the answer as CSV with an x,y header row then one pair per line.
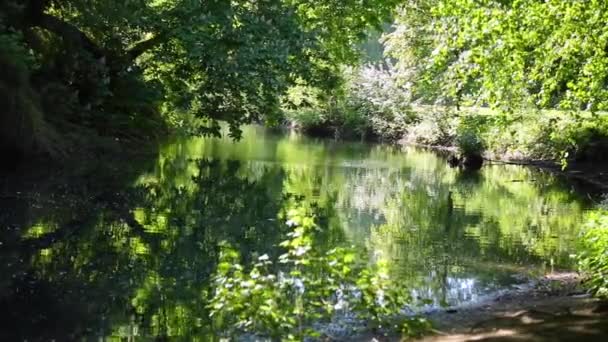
x,y
291,296
593,260
371,101
469,143
469,134
550,136
436,128
308,109
377,94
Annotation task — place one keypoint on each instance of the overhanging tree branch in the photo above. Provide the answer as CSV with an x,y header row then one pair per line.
x,y
70,33
145,45
75,36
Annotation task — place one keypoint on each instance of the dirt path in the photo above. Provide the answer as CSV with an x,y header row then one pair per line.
x,y
554,310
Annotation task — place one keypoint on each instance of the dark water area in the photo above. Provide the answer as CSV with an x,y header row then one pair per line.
x,y
113,251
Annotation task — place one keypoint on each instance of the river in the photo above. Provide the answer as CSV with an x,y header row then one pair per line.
x,y
129,249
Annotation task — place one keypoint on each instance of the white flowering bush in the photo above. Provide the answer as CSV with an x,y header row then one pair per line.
x,y
372,101
378,94
436,128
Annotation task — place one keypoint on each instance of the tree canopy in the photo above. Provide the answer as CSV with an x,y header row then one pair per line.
x,y
110,60
116,67
506,53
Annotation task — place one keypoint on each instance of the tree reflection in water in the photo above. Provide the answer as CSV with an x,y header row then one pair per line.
x,y
135,257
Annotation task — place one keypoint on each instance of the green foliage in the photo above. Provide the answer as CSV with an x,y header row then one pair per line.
x,y
516,57
14,51
547,136
538,93
371,103
317,112
539,135
469,143
292,296
435,128
469,135
22,128
593,258
305,107
506,54
113,67
376,93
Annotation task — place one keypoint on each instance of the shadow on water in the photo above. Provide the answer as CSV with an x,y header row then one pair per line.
x,y
137,256
127,250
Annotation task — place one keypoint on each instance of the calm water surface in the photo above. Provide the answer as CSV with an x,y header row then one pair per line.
x,y
127,249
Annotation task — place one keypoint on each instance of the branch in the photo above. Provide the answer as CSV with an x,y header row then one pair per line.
x,y
70,33
75,36
145,45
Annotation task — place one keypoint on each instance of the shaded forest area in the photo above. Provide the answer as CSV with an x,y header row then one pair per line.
x,y
73,70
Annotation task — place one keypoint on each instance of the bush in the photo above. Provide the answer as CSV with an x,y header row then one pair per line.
x,y
375,102
377,94
436,128
371,102
292,296
593,260
308,109
549,136
469,143
469,134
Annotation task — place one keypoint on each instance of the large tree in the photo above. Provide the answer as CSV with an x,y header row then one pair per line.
x,y
221,60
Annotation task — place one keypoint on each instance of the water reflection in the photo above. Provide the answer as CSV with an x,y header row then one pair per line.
x,y
130,253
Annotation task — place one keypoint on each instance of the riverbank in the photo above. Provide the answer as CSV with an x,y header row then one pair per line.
x,y
555,309
572,144
590,175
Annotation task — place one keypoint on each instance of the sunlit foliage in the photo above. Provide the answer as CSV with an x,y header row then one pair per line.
x,y
593,258
371,103
291,297
505,54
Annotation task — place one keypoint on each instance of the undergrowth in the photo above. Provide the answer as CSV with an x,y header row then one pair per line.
x,y
375,103
593,260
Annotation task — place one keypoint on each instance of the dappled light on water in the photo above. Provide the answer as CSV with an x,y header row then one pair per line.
x,y
147,252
